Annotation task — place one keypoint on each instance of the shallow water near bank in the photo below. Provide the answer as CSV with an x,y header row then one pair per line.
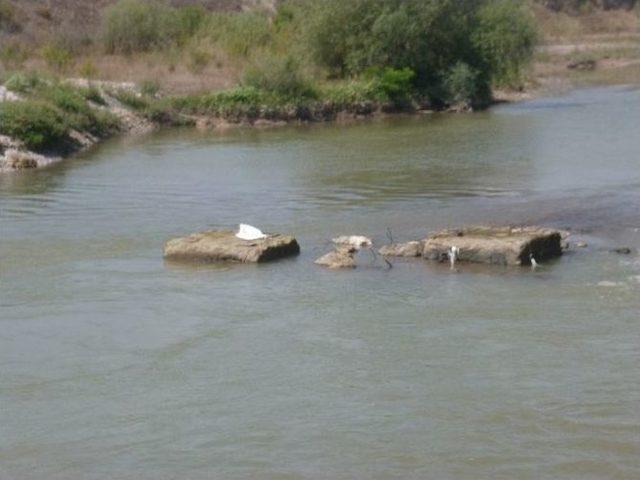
x,y
115,364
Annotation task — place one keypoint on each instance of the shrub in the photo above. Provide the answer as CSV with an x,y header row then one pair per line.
x,y
131,99
137,25
505,39
189,20
238,33
8,22
24,82
57,57
279,76
88,69
149,87
198,59
35,123
239,102
344,94
461,84
393,84
13,55
142,25
92,94
493,37
64,97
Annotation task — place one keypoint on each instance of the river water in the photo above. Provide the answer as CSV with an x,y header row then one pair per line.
x,y
115,365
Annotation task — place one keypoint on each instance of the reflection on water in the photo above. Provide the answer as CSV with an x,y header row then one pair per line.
x,y
115,364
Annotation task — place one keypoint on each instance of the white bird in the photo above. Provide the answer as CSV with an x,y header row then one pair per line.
x,y
355,241
534,264
247,232
453,256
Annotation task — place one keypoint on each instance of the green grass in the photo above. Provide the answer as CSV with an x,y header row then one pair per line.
x,y
50,110
38,124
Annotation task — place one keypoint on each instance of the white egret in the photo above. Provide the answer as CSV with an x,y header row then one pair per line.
x,y
453,255
247,232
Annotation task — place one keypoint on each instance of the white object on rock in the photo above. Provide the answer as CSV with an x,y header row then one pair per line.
x,y
355,241
247,232
453,255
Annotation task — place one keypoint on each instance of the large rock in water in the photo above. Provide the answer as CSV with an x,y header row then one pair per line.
x,y
497,245
341,257
224,246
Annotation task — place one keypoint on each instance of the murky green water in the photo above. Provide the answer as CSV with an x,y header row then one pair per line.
x,y
114,365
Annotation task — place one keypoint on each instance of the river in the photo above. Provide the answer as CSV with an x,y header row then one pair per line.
x,y
115,365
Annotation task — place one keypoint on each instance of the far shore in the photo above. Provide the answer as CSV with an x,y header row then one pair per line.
x,y
134,124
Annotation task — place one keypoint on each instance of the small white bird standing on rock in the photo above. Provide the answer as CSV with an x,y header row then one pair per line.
x,y
355,241
534,264
453,256
247,232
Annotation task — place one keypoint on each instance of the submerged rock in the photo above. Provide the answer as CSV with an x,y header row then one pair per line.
x,y
622,251
341,257
20,160
409,249
224,246
495,245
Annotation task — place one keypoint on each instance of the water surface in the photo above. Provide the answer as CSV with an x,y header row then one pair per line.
x,y
114,364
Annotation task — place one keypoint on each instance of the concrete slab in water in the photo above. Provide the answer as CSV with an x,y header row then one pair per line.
x,y
224,246
497,245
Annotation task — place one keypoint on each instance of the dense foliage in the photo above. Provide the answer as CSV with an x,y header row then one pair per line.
x,y
452,50
37,124
493,38
50,110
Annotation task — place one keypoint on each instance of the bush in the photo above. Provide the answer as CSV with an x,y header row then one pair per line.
x,y
137,26
57,57
13,55
462,84
198,59
8,22
24,82
149,87
392,84
78,114
239,102
505,39
279,76
142,25
35,123
131,99
92,94
430,37
88,69
189,19
65,97
238,33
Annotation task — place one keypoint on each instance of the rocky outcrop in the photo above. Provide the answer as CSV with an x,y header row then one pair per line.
x,y
495,245
409,249
224,246
341,257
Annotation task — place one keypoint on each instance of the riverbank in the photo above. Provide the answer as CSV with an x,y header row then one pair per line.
x,y
46,119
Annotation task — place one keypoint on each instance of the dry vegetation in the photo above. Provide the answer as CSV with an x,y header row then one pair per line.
x,y
64,36
607,40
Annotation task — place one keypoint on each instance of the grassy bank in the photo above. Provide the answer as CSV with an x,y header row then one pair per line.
x,y
50,112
